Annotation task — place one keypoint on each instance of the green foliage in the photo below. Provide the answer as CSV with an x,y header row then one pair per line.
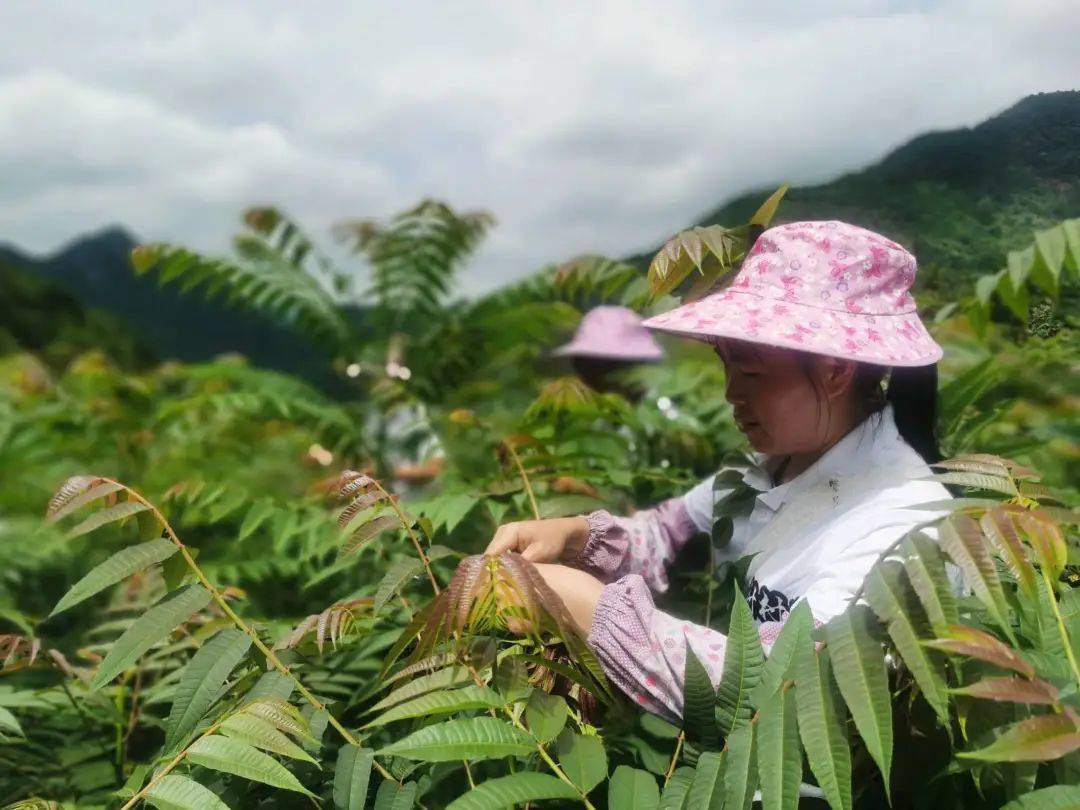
x,y
283,654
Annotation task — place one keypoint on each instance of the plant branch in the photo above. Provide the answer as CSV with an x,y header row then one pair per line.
x,y
244,627
1061,625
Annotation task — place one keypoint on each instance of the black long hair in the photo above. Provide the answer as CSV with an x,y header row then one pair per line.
x,y
912,392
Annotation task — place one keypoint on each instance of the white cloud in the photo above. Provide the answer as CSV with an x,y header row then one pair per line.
x,y
582,125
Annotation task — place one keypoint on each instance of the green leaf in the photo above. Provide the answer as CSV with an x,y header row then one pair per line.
x,y
440,679
368,532
1012,690
255,517
926,571
175,569
109,514
10,723
699,699
392,796
119,566
889,597
271,684
201,681
998,526
779,755
859,667
965,390
975,643
822,727
175,792
401,572
240,759
740,774
963,541
977,480
767,210
351,776
707,789
512,791
471,738
260,733
677,789
583,759
633,789
743,666
1058,797
282,715
546,715
150,628
90,495
1036,739
799,624
441,702
512,678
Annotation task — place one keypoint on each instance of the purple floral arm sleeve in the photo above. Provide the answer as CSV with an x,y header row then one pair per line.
x,y
643,650
644,543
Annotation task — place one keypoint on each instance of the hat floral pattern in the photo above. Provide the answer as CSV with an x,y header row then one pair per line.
x,y
823,287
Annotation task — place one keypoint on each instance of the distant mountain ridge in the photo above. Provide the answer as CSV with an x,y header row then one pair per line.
x,y
96,270
960,199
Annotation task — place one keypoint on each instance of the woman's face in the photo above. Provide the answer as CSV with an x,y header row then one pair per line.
x,y
776,405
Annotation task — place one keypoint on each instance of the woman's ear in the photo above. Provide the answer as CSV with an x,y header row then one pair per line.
x,y
838,376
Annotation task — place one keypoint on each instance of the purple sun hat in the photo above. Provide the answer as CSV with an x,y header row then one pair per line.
x,y
612,333
822,287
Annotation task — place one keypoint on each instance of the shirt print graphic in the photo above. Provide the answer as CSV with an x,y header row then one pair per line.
x,y
766,604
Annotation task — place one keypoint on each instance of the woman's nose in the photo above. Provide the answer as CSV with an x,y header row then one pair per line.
x,y
732,390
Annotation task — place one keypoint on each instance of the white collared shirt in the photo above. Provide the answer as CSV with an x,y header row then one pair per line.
x,y
817,535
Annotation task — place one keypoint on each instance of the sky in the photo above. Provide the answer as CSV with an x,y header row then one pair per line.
x,y
582,126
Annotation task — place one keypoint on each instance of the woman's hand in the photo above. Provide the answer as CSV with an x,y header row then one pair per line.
x,y
541,541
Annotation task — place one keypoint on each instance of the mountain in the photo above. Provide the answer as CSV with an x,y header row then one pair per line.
x,y
959,199
39,316
95,270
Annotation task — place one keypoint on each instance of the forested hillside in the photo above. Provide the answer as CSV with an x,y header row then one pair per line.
x,y
960,199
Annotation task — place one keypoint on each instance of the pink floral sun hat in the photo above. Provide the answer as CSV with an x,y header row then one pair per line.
x,y
822,287
612,333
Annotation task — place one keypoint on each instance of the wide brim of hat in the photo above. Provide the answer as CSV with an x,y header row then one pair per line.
x,y
629,353
887,340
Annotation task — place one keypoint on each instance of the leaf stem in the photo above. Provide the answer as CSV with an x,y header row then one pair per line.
x,y
172,764
407,524
674,758
524,478
551,763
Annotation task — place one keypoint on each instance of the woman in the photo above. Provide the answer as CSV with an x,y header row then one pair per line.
x,y
814,323
609,340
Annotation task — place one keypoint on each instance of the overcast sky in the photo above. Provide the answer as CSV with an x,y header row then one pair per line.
x,y
582,126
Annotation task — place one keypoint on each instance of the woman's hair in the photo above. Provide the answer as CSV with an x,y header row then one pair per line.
x,y
913,394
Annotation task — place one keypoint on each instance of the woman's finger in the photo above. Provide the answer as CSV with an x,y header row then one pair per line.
x,y
537,552
505,539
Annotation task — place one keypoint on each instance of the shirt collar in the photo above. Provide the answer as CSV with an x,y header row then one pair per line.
x,y
846,457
